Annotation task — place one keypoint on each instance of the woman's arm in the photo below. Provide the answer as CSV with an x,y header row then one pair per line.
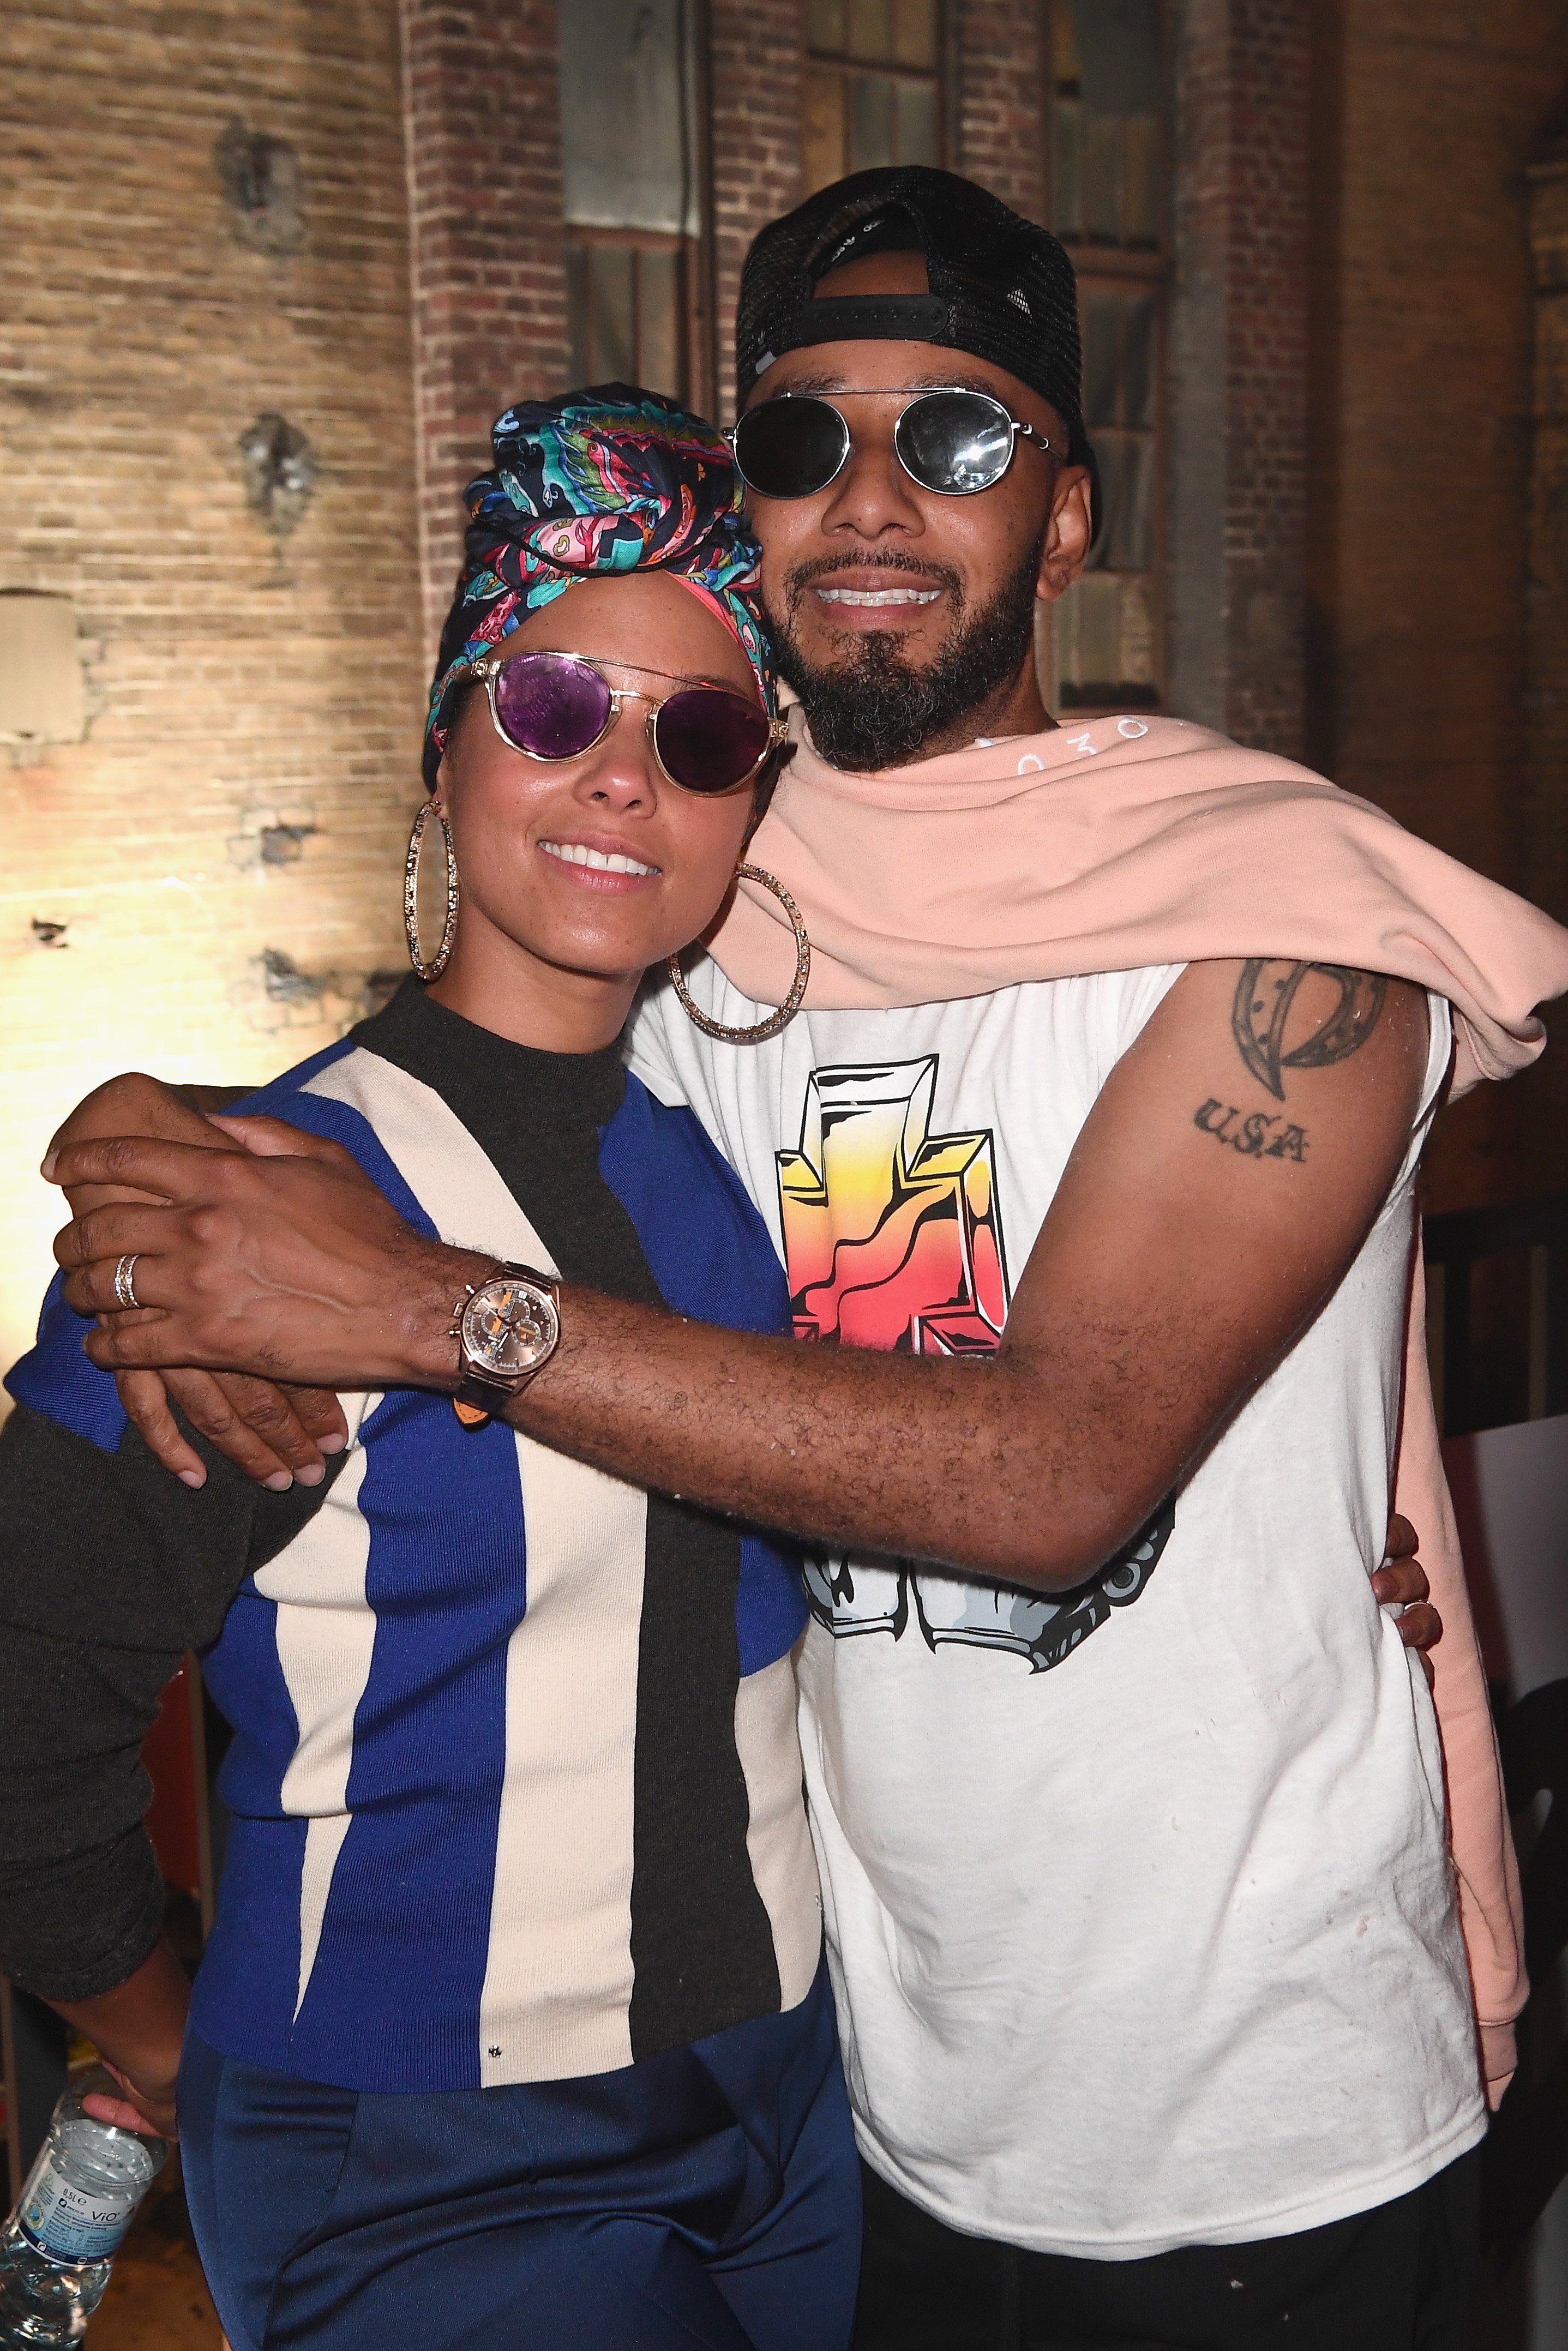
x,y
137,2030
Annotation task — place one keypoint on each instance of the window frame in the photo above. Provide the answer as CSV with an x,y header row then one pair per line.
x,y
1110,269
942,77
696,322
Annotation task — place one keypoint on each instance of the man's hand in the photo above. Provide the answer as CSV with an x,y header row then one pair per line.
x,y
1195,1234
274,1433
272,1255
1400,1584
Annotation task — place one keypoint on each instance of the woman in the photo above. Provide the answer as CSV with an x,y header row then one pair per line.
x,y
512,2027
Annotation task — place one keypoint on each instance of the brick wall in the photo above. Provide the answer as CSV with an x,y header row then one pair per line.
x,y
1426,116
755,77
1238,367
249,767
998,133
486,250
1546,587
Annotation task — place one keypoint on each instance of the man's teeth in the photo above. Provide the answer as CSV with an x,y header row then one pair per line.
x,y
879,595
576,852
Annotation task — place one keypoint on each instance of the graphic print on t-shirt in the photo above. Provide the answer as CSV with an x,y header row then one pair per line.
x,y
893,1238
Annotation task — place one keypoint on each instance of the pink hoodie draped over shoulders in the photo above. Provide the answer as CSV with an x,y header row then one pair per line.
x,y
1134,840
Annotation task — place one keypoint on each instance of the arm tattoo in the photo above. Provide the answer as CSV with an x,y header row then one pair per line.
x,y
1264,995
1252,1138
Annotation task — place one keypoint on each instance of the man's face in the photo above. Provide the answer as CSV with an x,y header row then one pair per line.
x,y
877,588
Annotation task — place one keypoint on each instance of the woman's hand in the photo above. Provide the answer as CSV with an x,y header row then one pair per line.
x,y
275,1256
137,2029
149,2101
1401,1583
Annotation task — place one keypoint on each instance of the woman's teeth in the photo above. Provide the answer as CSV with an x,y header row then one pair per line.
x,y
574,853
879,595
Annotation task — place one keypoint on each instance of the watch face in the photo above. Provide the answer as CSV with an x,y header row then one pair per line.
x,y
509,1326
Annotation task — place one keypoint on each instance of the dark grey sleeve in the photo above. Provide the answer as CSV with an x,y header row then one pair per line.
x,y
109,1569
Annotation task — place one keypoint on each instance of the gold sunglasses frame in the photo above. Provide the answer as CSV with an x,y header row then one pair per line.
x,y
488,668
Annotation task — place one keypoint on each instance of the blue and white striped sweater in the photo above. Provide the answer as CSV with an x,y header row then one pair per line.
x,y
515,1782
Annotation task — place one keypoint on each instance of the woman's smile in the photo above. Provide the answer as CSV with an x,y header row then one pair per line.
x,y
600,864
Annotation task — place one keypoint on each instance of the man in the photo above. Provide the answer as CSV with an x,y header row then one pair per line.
x,y
1154,2000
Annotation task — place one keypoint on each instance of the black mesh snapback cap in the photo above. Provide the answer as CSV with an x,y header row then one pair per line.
x,y
1000,287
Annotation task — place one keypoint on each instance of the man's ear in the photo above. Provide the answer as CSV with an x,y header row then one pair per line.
x,y
1064,550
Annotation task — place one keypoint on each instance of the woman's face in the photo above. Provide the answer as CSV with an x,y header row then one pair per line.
x,y
514,820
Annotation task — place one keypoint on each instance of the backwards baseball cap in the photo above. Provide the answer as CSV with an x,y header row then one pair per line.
x,y
998,286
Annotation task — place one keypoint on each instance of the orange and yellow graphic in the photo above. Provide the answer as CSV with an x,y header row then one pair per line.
x,y
892,1234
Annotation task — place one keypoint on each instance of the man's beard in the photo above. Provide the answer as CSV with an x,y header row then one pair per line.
x,y
874,709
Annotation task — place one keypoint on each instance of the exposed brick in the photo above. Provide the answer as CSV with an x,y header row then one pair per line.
x,y
233,675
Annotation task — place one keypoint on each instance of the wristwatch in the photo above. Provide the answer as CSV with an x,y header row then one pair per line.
x,y
507,1330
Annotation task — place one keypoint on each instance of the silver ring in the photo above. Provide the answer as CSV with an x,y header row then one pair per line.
x,y
124,1286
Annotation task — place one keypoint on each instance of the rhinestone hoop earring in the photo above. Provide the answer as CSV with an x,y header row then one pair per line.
x,y
791,1004
410,894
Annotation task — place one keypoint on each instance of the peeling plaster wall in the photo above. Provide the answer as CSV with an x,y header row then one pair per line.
x,y
253,670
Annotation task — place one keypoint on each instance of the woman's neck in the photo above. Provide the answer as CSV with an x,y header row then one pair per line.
x,y
500,985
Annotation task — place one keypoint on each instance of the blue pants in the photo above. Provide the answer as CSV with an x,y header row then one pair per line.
x,y
709,2195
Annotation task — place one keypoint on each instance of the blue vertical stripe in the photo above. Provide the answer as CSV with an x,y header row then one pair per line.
x,y
446,1581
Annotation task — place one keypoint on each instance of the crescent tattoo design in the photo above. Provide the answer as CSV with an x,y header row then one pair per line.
x,y
1264,995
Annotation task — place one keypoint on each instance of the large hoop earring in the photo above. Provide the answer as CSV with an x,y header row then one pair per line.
x,y
791,1004
410,894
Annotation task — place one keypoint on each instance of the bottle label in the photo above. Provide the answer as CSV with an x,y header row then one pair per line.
x,y
71,2224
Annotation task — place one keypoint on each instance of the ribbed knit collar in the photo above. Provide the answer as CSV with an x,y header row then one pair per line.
x,y
473,1069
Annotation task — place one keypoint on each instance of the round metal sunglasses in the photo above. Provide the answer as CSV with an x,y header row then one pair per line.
x,y
704,738
949,439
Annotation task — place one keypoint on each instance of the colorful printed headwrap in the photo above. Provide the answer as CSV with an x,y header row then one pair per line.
x,y
610,479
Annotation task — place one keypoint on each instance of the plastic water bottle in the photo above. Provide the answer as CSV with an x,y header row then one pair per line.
x,y
66,2227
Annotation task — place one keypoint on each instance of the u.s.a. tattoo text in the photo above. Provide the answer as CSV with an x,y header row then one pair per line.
x,y
1251,1135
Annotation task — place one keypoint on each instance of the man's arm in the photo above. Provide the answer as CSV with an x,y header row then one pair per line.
x,y
1221,1187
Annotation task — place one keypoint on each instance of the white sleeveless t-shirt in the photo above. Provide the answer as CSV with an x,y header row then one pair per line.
x,y
1139,1909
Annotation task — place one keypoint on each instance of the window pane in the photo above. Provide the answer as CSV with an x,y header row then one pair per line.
x,y
1138,360
1068,167
1088,636
1107,67
870,122
1118,45
611,340
1141,198
577,319
625,92
1103,634
1104,148
1102,314
1065,44
1118,358
659,323
915,123
870,31
825,25
1137,662
915,33
824,127
1126,475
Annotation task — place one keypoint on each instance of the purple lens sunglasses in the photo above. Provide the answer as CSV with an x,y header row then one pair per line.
x,y
558,705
